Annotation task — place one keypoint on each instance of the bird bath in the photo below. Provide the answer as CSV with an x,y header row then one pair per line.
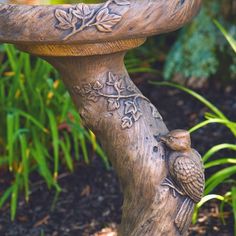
x,y
86,42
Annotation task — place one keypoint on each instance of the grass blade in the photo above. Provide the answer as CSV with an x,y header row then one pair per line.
x,y
6,195
55,141
10,139
25,163
67,156
204,200
218,148
229,38
218,162
14,196
234,206
218,178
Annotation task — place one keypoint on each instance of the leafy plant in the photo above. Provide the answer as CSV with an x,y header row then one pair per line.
x,y
40,128
200,51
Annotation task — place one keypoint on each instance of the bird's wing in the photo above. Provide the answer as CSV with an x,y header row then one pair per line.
x,y
190,177
199,157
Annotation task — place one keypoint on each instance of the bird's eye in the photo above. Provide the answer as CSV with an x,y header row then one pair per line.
x,y
170,139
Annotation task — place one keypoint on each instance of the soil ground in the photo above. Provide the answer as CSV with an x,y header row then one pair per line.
x,y
90,203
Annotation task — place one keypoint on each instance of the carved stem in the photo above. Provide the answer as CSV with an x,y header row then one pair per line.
x,y
127,129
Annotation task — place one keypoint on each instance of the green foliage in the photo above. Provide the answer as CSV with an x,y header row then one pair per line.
x,y
229,38
226,165
40,128
141,60
200,50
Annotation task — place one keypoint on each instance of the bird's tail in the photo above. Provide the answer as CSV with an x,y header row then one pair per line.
x,y
184,215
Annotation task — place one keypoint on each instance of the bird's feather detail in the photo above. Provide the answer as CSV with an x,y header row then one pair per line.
x,y
190,177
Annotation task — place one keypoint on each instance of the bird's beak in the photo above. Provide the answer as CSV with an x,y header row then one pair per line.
x,y
163,139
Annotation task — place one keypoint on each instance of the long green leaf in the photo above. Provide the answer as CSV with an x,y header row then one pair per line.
x,y
212,121
5,196
10,139
67,156
218,162
204,200
25,163
29,117
218,148
55,141
229,38
14,196
234,206
219,178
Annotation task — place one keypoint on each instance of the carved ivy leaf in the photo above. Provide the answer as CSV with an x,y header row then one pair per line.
x,y
111,79
113,104
97,86
105,21
131,88
66,20
4,7
87,88
155,113
76,89
93,96
120,84
122,2
137,115
130,107
126,122
82,11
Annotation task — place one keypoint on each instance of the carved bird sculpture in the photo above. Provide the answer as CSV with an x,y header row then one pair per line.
x,y
186,175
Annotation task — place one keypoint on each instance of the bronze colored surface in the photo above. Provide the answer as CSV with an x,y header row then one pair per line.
x,y
111,21
81,49
186,174
87,44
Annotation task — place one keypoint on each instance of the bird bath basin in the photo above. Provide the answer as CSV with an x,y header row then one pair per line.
x,y
86,42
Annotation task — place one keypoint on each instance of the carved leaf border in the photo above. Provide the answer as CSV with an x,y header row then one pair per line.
x,y
81,16
124,96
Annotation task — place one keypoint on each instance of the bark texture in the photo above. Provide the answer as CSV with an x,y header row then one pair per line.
x,y
128,126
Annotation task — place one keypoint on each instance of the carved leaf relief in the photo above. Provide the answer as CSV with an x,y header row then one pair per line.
x,y
155,113
82,11
93,96
113,104
66,20
111,79
105,20
137,115
127,122
120,85
122,2
118,96
130,107
81,16
97,86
